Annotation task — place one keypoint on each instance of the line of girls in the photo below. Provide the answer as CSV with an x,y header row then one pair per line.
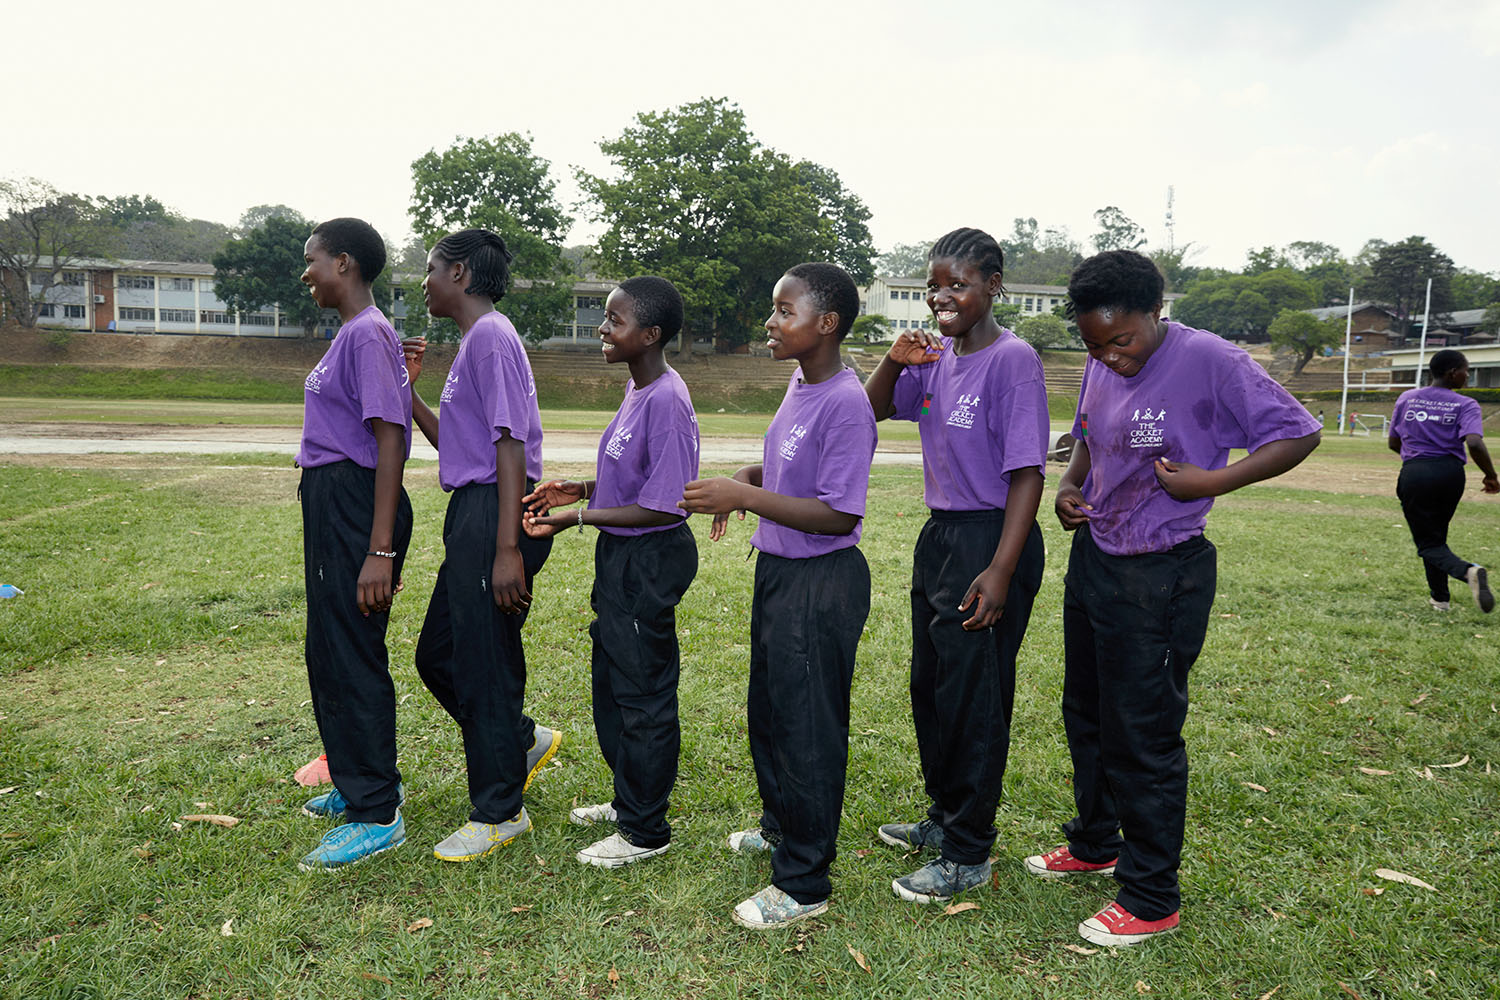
x,y
1160,407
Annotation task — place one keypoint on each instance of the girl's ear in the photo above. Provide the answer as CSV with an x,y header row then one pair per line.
x,y
651,335
995,285
344,262
828,323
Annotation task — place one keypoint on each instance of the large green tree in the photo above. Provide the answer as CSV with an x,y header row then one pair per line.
x,y
1117,231
1474,289
43,233
1036,256
697,199
904,260
1304,333
1047,332
1240,305
1399,274
497,183
148,230
264,266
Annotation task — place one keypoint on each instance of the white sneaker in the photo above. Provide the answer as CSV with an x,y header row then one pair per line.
x,y
604,812
1438,605
1479,585
615,851
750,842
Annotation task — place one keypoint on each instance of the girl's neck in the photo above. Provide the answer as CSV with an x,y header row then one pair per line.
x,y
647,368
978,337
357,301
470,310
821,367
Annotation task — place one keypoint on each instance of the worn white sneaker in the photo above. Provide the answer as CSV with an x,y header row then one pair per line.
x,y
1479,585
615,851
773,908
604,812
1438,605
750,842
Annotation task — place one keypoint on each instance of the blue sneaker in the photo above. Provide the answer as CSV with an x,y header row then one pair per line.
x,y
331,805
352,843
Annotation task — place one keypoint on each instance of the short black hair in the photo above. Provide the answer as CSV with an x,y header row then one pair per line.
x,y
832,291
971,246
1445,361
359,240
486,256
1115,279
658,303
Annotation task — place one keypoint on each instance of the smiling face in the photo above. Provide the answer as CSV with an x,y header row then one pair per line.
x,y
795,327
1122,341
959,296
622,336
323,273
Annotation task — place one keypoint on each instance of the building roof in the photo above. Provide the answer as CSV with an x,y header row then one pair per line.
x,y
1330,312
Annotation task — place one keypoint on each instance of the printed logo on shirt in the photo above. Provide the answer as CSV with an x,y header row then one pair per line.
x,y
530,384
447,395
1448,411
617,442
1150,428
788,449
314,381
926,404
963,414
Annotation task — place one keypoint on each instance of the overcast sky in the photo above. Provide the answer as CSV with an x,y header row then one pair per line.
x,y
1326,120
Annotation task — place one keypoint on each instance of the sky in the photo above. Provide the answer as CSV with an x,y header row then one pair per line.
x,y
1330,120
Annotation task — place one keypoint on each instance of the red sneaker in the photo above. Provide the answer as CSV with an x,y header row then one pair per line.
x,y
314,772
1060,863
1116,927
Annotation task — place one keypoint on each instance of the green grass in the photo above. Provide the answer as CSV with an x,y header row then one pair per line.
x,y
144,383
156,663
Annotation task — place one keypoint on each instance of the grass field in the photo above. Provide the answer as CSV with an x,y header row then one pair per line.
x,y
154,669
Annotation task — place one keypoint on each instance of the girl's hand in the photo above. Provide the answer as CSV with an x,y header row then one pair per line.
x,y
1491,484
1070,507
374,591
543,527
412,349
989,588
508,581
915,347
1184,480
557,493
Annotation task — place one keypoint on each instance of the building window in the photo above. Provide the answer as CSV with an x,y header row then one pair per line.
x,y
589,302
398,294
177,315
584,331
895,294
132,313
399,323
177,284
73,312
144,281
215,316
74,278
258,319
1028,305
46,311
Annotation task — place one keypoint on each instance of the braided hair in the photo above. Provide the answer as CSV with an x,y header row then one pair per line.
x,y
974,247
485,255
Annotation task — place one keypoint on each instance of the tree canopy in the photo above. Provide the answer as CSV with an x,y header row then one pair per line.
x,y
264,266
1242,305
1304,333
1116,231
698,200
44,232
497,183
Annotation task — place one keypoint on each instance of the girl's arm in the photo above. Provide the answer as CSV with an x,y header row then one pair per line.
x,y
412,349
1186,481
375,588
508,576
914,347
1481,456
724,496
629,516
1069,506
991,585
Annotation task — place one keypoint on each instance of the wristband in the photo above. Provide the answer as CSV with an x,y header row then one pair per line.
x,y
383,555
580,520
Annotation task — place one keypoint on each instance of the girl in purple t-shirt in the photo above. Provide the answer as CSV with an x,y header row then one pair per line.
x,y
1429,429
470,654
644,560
356,523
1160,408
977,394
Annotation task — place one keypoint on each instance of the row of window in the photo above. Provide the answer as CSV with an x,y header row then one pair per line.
x,y
211,316
49,311
589,301
906,295
44,278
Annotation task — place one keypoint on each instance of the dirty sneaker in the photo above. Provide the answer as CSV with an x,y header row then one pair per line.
x,y
754,841
603,812
615,851
473,841
773,908
913,836
1479,585
940,880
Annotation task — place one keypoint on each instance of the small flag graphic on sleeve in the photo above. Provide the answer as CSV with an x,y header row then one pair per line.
x,y
1083,423
926,403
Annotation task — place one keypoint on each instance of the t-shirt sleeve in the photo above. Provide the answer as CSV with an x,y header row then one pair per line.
x,y
673,457
380,381
1253,409
1077,429
906,395
844,463
1470,419
1398,417
504,389
1023,429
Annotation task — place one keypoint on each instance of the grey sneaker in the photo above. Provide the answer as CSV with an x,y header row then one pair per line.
x,y
751,841
473,841
773,908
544,743
1479,584
604,812
939,880
1438,605
615,851
913,836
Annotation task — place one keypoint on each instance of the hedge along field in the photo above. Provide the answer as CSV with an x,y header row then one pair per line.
x,y
154,669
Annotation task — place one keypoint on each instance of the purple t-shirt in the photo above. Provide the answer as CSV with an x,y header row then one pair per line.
x,y
981,416
362,377
1434,421
820,444
649,451
1196,397
489,389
